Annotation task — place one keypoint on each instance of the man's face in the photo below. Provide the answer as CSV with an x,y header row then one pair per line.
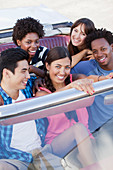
x,y
103,53
19,79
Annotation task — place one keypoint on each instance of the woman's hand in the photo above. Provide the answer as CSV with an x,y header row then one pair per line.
x,y
85,85
109,76
88,54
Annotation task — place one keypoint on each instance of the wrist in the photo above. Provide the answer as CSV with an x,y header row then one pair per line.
x,y
98,79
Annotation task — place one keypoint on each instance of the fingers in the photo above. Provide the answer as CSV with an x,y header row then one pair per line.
x,y
89,52
109,76
84,85
1,101
89,57
34,90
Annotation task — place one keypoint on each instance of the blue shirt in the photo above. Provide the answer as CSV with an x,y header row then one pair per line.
x,y
6,152
98,112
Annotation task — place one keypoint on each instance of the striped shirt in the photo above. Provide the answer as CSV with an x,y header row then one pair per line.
x,y
39,58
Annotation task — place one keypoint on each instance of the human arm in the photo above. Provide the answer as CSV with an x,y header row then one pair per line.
x,y
95,78
82,85
85,85
85,54
36,70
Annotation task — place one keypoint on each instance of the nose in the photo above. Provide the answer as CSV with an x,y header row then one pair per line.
x,y
100,53
77,35
27,75
62,71
34,44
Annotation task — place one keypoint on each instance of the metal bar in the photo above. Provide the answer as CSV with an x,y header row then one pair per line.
x,y
55,103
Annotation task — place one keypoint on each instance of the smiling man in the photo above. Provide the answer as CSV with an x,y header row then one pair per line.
x,y
101,43
18,141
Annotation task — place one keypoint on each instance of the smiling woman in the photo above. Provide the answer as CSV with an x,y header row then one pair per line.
x,y
79,31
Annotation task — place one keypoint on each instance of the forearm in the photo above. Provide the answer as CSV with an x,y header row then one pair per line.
x,y
97,78
37,71
76,58
77,76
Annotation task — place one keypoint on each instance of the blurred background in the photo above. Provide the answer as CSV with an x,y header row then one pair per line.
x,y
99,11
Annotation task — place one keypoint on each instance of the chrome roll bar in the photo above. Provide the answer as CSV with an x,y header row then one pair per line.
x,y
55,103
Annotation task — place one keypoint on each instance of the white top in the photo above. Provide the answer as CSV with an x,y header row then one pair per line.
x,y
25,136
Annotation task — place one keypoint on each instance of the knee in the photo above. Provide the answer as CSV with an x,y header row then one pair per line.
x,y
5,166
79,127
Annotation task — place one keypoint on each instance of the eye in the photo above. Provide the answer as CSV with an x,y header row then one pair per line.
x,y
37,41
103,49
28,42
83,34
57,66
75,30
23,71
94,51
67,67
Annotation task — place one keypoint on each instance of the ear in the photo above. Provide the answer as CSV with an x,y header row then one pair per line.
x,y
112,47
6,73
47,66
19,42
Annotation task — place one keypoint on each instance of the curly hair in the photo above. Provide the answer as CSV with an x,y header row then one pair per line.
x,y
54,54
97,34
24,26
89,27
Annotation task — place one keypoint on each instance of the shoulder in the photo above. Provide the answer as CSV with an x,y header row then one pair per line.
x,y
84,67
42,49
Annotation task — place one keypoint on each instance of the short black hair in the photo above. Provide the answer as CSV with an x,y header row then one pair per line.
x,y
97,34
24,26
10,57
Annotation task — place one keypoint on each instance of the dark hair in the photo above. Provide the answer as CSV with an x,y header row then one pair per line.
x,y
54,54
89,27
24,26
10,57
97,34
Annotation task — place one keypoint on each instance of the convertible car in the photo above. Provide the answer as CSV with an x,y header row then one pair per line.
x,y
57,34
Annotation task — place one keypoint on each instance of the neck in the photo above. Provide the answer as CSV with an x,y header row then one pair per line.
x,y
13,93
58,86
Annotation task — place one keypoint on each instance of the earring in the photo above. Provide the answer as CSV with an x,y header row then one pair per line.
x,y
47,71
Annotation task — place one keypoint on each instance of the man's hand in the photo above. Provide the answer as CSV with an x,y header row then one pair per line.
x,y
1,101
37,83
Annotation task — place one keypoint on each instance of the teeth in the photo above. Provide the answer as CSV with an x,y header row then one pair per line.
x,y
76,41
102,59
60,77
32,51
25,82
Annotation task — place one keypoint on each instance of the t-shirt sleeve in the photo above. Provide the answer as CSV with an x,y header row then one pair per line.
x,y
83,67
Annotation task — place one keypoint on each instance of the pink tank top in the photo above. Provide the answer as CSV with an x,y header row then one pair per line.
x,y
59,122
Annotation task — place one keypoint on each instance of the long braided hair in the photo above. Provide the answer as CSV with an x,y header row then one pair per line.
x,y
54,54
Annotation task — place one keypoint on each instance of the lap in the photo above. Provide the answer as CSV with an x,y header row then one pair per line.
x,y
13,164
44,159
